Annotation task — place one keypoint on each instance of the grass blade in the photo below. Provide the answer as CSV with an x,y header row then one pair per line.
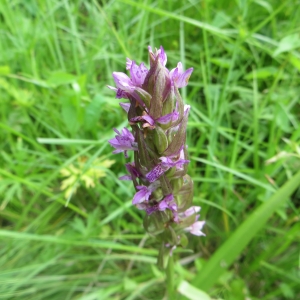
x,y
232,248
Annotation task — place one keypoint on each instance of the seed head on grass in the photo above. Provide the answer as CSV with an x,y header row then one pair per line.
x,y
158,119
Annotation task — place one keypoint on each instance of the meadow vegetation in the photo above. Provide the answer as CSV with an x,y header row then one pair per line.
x,y
68,228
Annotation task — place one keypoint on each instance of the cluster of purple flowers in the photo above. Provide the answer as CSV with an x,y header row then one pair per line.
x,y
158,118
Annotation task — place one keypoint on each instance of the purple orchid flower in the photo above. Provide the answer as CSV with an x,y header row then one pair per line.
x,y
161,53
149,122
166,163
179,77
138,73
168,202
126,86
123,142
196,228
132,170
144,193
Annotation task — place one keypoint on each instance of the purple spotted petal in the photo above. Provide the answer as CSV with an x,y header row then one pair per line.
x,y
138,73
169,163
146,118
179,77
142,195
167,202
167,118
155,173
123,141
119,92
123,82
184,78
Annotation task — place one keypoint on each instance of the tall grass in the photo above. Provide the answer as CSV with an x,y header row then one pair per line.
x,y
81,238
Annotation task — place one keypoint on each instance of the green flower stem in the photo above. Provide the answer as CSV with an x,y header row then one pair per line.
x,y
170,278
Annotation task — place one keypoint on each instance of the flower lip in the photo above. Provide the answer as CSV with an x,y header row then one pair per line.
x,y
123,141
180,78
144,193
196,228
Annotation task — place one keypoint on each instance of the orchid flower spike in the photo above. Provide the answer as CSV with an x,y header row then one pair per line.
x,y
158,118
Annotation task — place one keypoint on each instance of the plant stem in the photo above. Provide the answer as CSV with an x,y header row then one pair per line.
x,y
170,278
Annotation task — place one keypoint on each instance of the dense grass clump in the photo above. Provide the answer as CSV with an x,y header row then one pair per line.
x,y
68,229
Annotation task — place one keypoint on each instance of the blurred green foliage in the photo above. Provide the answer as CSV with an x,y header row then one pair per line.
x,y
57,57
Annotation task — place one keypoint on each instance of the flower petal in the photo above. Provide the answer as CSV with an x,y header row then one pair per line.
x,y
167,118
155,173
138,73
125,106
123,81
123,141
192,210
183,79
179,77
142,195
128,63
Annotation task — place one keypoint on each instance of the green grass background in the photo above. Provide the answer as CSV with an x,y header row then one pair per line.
x,y
56,58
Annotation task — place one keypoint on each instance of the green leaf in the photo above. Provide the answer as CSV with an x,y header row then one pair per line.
x,y
288,43
191,292
282,118
234,245
221,62
262,73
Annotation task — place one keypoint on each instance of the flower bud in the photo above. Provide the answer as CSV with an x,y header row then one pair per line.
x,y
160,139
